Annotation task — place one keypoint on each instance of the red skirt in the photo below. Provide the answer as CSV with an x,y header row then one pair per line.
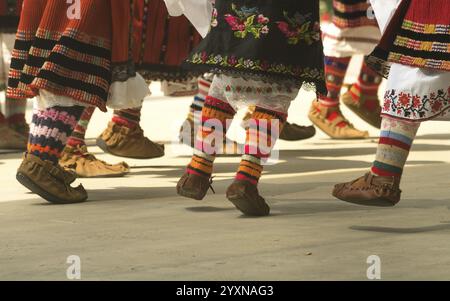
x,y
9,15
352,13
417,36
162,43
76,57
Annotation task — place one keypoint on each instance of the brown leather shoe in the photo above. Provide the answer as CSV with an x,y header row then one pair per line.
x,y
370,190
129,143
10,139
245,197
86,165
318,117
49,181
372,117
295,132
193,186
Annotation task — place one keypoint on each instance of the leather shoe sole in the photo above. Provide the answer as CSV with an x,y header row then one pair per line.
x,y
28,183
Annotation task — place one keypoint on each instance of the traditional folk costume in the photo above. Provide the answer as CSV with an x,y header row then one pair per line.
x,y
13,126
71,57
414,54
261,53
353,31
160,44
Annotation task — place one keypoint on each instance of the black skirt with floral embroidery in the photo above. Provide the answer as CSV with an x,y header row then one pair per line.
x,y
264,39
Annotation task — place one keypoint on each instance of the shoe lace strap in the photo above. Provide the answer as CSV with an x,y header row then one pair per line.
x,y
85,153
210,185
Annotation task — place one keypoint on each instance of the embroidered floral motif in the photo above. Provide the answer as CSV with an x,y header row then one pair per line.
x,y
299,28
247,21
255,65
411,106
259,90
214,21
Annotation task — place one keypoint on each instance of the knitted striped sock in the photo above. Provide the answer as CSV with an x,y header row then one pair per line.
x,y
15,111
196,107
366,88
261,138
129,118
209,141
335,69
396,139
78,135
49,131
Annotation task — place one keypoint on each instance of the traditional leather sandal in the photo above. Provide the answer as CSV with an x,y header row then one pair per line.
x,y
370,190
194,186
49,181
129,143
372,117
245,197
318,118
86,165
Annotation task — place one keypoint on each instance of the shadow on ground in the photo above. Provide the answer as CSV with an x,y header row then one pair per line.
x,y
393,230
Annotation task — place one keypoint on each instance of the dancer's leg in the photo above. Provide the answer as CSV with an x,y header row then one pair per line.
x,y
381,187
77,158
395,142
15,115
362,98
50,129
129,118
206,148
39,170
77,139
209,142
124,137
10,138
261,138
191,124
326,113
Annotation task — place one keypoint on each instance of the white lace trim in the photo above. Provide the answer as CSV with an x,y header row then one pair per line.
x,y
277,99
128,94
47,99
122,95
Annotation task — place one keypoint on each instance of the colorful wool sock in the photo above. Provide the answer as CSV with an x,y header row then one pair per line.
x,y
335,69
129,118
196,107
261,138
15,111
366,88
396,139
78,135
209,141
49,131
